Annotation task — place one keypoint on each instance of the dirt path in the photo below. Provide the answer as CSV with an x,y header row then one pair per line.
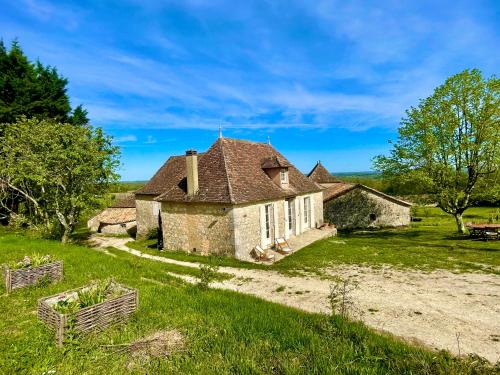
x,y
441,310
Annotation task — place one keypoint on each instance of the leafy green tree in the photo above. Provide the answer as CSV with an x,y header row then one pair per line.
x,y
58,170
450,142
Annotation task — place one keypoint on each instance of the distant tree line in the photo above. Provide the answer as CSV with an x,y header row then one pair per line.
x,y
53,163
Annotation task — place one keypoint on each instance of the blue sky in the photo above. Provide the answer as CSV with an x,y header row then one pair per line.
x,y
325,80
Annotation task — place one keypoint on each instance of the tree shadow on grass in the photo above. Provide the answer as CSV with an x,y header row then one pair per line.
x,y
438,240
80,237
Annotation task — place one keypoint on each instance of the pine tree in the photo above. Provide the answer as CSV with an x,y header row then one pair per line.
x,y
33,90
79,116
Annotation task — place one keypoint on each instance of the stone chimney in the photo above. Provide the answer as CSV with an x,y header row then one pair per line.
x,y
192,172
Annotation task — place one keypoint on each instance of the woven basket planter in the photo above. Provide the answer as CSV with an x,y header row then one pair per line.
x,y
19,278
92,318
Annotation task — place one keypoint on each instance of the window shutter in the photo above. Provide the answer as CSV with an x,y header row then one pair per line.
x,y
263,226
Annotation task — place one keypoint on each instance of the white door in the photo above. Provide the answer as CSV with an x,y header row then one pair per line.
x,y
266,218
289,208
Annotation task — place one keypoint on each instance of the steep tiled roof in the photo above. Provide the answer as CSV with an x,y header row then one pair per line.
x,y
320,175
341,188
229,172
173,169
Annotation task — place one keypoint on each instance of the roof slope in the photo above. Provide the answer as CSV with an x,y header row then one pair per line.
x,y
229,172
341,188
336,190
320,175
174,168
116,215
127,201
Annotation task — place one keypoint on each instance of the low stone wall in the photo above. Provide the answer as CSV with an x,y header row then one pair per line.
x,y
125,228
362,209
147,211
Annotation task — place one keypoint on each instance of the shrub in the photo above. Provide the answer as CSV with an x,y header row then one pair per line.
x,y
208,273
94,294
153,234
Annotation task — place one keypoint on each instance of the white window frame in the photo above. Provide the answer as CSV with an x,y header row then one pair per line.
x,y
268,212
284,176
307,211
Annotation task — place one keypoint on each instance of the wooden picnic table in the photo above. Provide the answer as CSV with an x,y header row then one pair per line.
x,y
484,231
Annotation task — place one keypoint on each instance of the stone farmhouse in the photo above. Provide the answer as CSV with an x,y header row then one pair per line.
x,y
236,195
351,206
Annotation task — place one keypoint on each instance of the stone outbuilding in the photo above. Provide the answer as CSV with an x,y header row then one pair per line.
x,y
351,206
225,201
119,218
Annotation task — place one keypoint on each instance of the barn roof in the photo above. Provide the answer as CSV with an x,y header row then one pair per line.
x,y
127,201
116,215
231,171
340,188
320,175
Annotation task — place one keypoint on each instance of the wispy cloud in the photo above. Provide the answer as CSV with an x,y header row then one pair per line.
x,y
150,140
126,138
319,64
47,12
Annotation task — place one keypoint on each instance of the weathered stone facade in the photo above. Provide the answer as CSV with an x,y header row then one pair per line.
x,y
197,227
232,230
359,208
147,214
248,226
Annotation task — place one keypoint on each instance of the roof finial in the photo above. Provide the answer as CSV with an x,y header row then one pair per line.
x,y
269,140
220,131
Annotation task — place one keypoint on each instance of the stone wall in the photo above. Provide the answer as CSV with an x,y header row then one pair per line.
x,y
228,230
147,214
125,228
361,209
198,227
246,225
247,222
317,199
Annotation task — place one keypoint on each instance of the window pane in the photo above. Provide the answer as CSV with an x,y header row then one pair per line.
x,y
268,220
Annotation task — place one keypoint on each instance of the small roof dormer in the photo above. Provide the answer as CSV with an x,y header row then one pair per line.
x,y
274,162
277,170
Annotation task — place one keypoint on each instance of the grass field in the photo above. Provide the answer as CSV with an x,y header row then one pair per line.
x,y
427,245
225,332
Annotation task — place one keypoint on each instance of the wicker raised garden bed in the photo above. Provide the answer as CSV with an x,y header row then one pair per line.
x,y
92,318
19,278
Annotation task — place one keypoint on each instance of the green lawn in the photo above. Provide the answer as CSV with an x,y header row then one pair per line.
x,y
427,245
225,332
